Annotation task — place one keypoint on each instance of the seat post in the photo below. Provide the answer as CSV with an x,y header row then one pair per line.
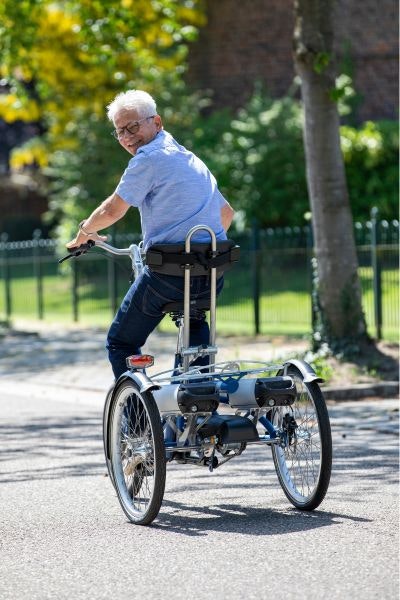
x,y
213,296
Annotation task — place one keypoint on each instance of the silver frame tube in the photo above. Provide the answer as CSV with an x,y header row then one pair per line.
x,y
213,295
134,252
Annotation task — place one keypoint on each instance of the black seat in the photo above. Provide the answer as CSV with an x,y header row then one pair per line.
x,y
171,259
201,304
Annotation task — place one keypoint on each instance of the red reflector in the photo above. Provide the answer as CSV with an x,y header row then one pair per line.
x,y
140,361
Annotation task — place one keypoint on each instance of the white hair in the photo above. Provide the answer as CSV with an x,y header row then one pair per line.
x,y
141,101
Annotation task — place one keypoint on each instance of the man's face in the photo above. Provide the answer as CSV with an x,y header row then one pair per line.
x,y
146,129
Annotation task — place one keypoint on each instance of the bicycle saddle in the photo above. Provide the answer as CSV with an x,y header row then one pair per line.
x,y
196,306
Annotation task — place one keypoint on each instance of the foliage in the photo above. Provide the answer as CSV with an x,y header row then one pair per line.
x,y
63,61
83,174
371,161
319,360
257,157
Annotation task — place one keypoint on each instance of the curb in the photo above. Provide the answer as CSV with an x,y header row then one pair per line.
x,y
385,389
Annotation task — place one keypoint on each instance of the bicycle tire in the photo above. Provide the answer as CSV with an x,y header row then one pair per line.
x,y
106,425
137,454
303,465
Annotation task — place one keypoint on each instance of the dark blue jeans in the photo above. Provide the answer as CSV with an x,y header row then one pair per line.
x,y
141,312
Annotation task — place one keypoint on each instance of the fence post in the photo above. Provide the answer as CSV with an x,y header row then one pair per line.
x,y
6,275
256,274
37,266
75,295
376,272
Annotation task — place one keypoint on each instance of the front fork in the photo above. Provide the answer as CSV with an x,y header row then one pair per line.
x,y
287,432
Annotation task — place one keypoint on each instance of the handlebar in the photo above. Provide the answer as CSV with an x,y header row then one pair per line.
x,y
134,251
78,251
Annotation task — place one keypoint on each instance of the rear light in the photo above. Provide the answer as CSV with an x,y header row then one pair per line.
x,y
139,361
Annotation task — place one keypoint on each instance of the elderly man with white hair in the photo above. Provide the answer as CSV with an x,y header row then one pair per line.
x,y
174,191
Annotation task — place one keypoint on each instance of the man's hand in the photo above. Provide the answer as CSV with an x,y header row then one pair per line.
x,y
81,238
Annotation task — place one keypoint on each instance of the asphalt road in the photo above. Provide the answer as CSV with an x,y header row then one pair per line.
x,y
229,534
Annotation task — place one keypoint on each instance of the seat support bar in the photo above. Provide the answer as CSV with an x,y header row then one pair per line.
x,y
213,296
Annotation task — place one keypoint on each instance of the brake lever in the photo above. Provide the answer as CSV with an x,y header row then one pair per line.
x,y
78,251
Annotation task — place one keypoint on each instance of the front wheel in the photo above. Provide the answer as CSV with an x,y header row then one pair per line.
x,y
137,453
304,460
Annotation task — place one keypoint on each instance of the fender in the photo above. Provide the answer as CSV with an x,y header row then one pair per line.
x,y
106,425
144,384
309,375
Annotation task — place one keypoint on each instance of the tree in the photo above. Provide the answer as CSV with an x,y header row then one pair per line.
x,y
339,292
63,62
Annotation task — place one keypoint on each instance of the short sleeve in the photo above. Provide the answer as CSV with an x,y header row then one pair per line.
x,y
220,199
136,181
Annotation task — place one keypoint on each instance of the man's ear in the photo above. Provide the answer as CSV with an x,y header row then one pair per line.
x,y
158,122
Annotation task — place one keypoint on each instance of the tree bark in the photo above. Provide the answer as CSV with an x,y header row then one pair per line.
x,y
339,290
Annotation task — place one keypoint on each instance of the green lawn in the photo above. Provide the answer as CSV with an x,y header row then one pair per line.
x,y
282,311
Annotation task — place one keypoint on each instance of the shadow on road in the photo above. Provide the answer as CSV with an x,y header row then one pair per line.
x,y
51,448
235,518
32,353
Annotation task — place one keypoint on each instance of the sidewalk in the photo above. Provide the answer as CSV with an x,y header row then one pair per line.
x,y
57,362
75,360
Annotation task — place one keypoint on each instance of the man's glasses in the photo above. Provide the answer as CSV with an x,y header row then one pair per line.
x,y
131,128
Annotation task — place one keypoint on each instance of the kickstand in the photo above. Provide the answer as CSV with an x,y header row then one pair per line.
x,y
213,461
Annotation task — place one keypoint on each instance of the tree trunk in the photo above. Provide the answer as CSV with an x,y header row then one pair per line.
x,y
339,290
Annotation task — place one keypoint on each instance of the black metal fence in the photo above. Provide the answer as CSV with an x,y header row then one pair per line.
x,y
269,291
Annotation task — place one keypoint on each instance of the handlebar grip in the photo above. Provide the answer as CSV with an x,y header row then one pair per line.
x,y
78,251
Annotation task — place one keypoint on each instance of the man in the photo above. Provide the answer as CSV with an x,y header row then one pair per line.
x,y
173,190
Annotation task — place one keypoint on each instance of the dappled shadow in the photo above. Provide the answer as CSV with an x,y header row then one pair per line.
x,y
380,358
32,353
361,455
184,519
51,448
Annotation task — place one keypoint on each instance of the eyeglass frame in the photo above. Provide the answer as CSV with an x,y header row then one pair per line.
x,y
136,125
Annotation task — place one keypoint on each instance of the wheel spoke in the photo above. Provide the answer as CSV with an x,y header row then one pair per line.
x,y
299,461
139,483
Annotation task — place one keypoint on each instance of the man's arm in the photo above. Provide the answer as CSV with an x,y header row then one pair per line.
x,y
227,213
109,212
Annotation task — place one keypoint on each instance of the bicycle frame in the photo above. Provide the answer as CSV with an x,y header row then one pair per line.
x,y
148,421
236,389
213,297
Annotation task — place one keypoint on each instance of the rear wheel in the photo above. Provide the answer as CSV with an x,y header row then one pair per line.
x,y
137,453
303,462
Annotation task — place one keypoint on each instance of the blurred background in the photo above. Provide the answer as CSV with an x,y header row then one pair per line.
x,y
223,76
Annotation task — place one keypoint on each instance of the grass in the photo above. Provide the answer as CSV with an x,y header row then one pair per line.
x,y
282,311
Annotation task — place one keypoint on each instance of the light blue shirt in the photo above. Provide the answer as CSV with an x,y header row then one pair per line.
x,y
173,190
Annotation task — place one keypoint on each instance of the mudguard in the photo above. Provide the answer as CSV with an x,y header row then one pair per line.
x,y
106,411
309,375
144,384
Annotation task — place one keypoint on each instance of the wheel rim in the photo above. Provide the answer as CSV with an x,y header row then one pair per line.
x,y
299,460
133,454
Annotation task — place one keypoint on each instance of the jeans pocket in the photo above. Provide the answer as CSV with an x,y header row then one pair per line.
x,y
153,301
168,283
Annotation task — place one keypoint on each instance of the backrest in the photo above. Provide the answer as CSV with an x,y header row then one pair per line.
x,y
170,259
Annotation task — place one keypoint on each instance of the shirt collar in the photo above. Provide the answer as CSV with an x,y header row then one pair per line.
x,y
162,139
